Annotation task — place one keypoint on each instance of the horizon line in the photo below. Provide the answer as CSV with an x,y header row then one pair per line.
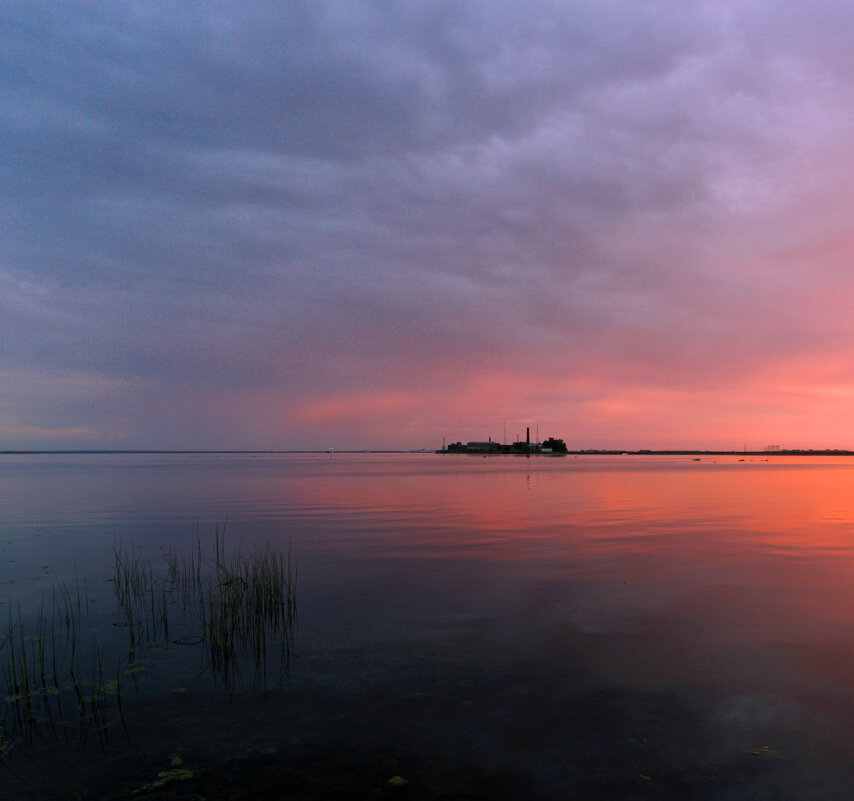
x,y
576,452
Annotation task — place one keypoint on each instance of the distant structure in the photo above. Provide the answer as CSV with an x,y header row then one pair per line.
x,y
482,447
772,449
550,446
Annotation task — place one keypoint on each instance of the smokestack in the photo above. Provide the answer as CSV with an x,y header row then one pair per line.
x,y
528,435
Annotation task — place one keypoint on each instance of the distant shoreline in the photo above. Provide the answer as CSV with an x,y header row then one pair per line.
x,y
140,452
792,452
586,452
788,452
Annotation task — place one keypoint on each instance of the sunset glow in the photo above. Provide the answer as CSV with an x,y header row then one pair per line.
x,y
289,226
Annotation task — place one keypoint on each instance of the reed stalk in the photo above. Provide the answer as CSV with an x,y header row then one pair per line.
x,y
239,603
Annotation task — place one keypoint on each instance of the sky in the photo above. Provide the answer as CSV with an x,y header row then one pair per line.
x,y
304,225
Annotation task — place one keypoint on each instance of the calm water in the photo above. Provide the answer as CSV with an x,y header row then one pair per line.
x,y
469,628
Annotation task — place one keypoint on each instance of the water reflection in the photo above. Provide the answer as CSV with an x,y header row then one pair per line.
x,y
620,627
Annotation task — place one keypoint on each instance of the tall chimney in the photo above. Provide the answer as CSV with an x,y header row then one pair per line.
x,y
528,435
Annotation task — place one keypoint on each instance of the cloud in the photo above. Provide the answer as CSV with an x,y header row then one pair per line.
x,y
286,222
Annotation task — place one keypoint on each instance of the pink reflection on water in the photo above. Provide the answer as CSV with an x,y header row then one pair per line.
x,y
688,569
717,570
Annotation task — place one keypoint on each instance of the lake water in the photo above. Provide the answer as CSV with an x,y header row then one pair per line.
x,y
468,628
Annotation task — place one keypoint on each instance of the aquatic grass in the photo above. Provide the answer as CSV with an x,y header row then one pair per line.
x,y
240,604
252,606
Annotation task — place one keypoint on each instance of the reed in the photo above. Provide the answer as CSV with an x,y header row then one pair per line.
x,y
239,603
251,606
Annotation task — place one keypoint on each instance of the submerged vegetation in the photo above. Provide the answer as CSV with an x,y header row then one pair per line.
x,y
64,669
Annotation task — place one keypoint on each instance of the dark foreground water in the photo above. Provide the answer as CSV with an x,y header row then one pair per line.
x,y
468,628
